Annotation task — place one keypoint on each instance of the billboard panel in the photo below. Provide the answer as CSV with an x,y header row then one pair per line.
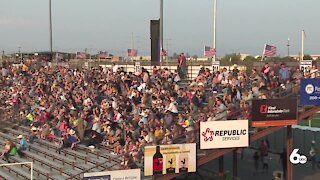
x,y
274,112
310,92
134,174
224,134
167,159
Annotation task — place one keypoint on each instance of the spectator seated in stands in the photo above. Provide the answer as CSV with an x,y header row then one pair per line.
x,y
10,149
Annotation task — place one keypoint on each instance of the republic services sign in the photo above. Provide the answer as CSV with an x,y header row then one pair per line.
x,y
224,134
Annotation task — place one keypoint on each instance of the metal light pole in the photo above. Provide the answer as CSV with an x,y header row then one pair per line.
x,y
50,29
214,28
161,31
288,45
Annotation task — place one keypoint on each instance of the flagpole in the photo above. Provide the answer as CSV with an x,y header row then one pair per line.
x,y
214,28
262,57
302,45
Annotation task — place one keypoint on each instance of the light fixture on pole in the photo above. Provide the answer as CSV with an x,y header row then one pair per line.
x,y
288,45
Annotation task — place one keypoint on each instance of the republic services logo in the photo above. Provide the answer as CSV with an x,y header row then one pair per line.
x,y
208,135
309,89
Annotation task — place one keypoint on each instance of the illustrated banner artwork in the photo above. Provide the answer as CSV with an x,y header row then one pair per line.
x,y
305,66
167,159
216,66
131,174
274,112
224,134
310,92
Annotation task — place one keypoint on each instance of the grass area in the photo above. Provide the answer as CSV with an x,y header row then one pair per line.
x,y
315,122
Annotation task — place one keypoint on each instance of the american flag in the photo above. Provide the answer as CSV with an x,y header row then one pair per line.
x,y
164,53
59,56
209,52
81,55
103,55
132,52
269,50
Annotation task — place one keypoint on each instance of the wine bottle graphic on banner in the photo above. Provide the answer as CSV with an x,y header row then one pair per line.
x,y
183,163
171,163
157,162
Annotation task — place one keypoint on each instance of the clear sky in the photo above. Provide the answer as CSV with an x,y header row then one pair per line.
x,y
242,25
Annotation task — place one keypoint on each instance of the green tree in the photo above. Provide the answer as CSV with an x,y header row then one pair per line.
x,y
175,55
250,59
230,59
318,58
307,57
195,56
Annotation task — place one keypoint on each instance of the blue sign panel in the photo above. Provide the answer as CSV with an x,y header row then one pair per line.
x,y
310,92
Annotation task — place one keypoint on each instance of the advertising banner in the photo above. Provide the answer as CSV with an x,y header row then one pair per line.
x,y
274,112
137,67
216,66
305,66
224,134
310,92
130,174
167,159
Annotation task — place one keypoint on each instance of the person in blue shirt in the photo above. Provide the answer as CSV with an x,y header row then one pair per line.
x,y
22,146
284,73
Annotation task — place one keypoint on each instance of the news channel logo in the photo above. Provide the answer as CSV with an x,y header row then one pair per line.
x,y
296,158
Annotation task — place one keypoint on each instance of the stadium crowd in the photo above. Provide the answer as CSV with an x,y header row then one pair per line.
x,y
128,111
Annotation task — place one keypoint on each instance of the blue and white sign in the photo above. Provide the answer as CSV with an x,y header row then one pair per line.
x,y
310,92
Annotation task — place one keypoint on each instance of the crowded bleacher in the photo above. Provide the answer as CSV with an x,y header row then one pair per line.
x,y
128,111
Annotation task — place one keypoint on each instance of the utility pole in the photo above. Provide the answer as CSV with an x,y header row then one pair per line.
x,y
20,55
288,45
214,28
50,30
161,31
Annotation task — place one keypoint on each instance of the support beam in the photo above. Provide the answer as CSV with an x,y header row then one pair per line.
x,y
289,150
221,166
235,163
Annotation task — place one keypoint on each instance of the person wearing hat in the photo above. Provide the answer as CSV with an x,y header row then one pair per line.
x,y
22,146
34,135
73,138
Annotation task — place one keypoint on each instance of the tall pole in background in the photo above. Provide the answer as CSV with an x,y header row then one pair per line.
x,y
132,40
288,45
214,28
161,31
302,45
50,21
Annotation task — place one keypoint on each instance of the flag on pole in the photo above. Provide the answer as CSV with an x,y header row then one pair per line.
x,y
59,56
132,52
103,55
269,50
164,53
304,34
81,55
209,52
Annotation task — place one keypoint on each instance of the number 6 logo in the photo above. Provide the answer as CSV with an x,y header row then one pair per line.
x,y
296,158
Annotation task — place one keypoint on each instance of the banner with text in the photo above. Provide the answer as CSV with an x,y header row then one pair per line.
x,y
310,92
224,134
130,174
168,159
274,112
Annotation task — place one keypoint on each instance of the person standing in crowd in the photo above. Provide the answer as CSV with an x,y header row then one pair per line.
x,y
314,155
182,66
256,158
